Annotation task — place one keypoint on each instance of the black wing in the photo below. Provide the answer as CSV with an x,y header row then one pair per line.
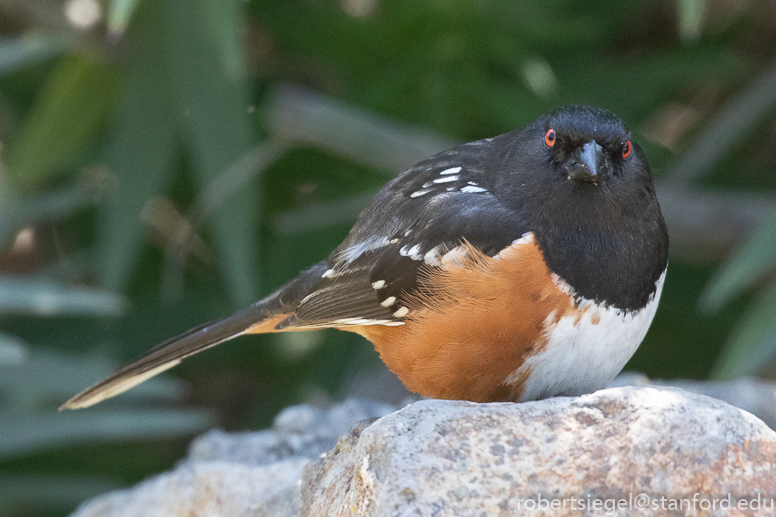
x,y
412,223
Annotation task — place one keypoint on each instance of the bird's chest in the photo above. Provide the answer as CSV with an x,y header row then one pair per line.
x,y
507,329
584,351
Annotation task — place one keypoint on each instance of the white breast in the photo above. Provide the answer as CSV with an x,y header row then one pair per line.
x,y
583,354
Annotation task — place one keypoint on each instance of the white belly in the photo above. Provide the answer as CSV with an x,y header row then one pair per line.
x,y
584,354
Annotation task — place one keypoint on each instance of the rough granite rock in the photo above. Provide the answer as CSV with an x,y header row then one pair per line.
x,y
241,474
615,452
757,396
441,458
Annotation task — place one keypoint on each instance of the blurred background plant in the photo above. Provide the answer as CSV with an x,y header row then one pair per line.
x,y
165,163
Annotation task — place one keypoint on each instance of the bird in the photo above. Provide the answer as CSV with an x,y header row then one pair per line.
x,y
519,267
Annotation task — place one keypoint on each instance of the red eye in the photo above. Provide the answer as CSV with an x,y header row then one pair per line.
x,y
626,149
549,138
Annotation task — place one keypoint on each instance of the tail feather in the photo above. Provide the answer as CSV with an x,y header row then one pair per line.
x,y
259,318
171,352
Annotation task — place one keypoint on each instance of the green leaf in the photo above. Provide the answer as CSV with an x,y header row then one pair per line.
x,y
119,15
742,270
140,154
24,435
26,50
76,99
691,14
752,343
317,216
43,297
731,124
212,108
307,117
189,89
223,27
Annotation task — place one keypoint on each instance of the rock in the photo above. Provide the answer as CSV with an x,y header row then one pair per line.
x,y
618,450
442,458
208,489
757,396
241,474
754,395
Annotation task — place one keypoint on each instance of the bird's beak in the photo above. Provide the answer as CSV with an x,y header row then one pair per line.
x,y
588,163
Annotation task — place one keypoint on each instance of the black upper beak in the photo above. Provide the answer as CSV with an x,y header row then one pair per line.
x,y
588,163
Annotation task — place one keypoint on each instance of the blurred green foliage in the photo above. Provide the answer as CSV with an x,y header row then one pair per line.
x,y
157,171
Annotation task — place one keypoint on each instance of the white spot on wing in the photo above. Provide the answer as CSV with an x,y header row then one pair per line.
x,y
353,252
388,301
379,284
470,188
401,312
411,252
419,193
432,257
309,296
361,321
445,179
452,170
366,321
328,274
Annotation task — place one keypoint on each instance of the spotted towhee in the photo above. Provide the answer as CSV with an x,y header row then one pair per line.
x,y
518,267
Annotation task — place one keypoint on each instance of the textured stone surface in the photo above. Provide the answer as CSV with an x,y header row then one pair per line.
x,y
242,474
441,458
465,459
208,489
753,395
757,396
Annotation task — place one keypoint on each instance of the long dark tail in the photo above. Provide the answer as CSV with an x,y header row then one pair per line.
x,y
259,318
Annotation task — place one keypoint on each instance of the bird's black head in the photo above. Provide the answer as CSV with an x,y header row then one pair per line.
x,y
586,144
583,186
577,163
